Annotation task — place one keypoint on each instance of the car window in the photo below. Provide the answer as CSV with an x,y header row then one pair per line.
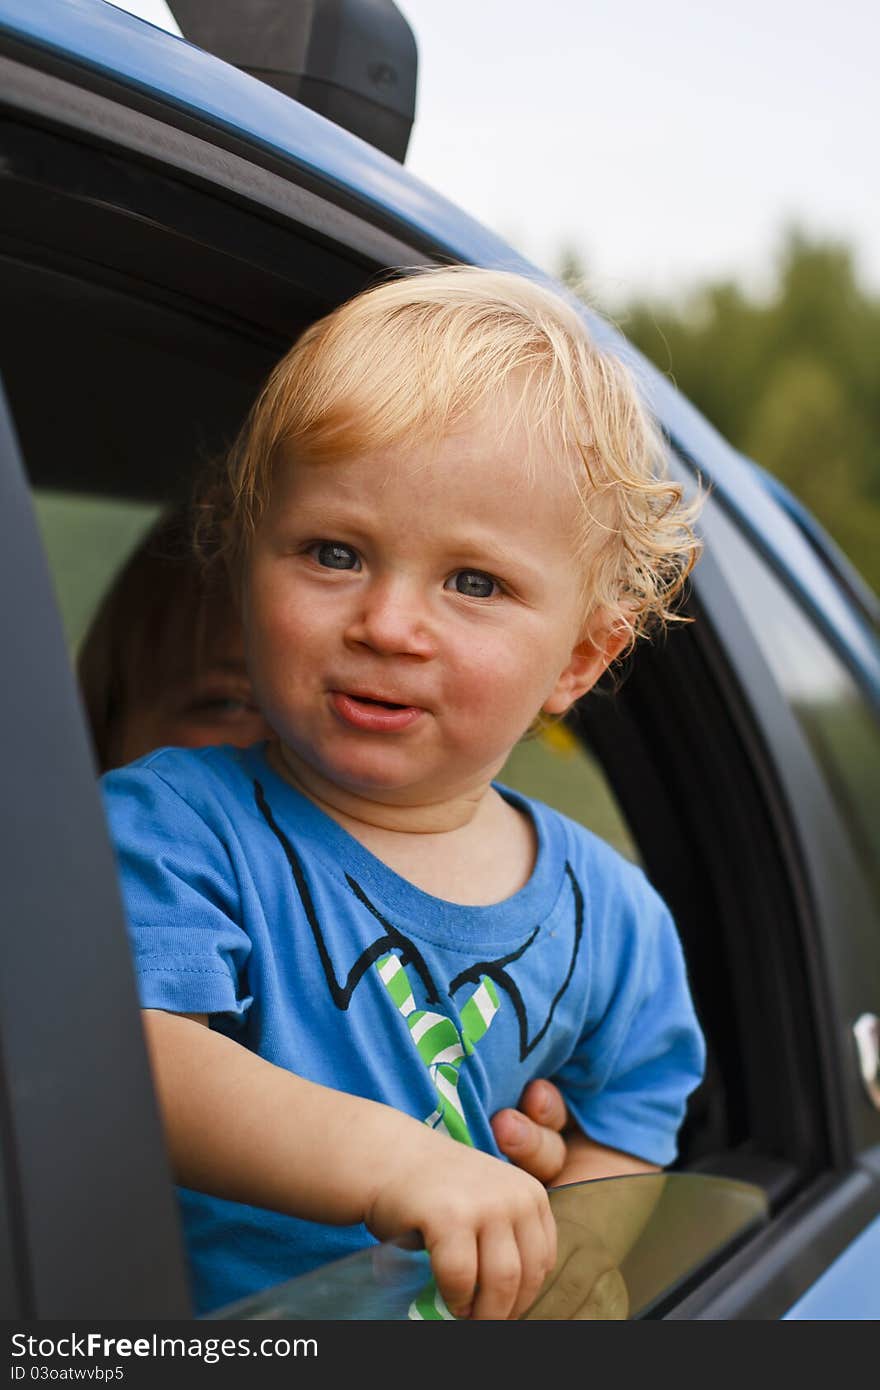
x,y
628,1248
826,699
87,539
554,766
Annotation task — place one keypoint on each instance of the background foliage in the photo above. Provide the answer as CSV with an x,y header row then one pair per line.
x,y
791,378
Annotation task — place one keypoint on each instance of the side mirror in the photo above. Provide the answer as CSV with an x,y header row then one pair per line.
x,y
354,61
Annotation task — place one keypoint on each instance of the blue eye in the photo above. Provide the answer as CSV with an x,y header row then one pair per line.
x,y
473,584
335,556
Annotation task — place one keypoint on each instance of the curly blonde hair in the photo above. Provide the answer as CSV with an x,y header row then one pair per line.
x,y
411,357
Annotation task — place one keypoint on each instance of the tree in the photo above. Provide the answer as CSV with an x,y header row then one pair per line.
x,y
793,380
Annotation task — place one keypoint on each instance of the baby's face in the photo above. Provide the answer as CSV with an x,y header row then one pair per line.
x,y
408,613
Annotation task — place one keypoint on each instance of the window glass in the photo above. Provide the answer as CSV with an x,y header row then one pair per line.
x,y
628,1247
87,539
555,767
828,703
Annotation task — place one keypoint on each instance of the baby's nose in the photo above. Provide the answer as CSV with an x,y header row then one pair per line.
x,y
393,619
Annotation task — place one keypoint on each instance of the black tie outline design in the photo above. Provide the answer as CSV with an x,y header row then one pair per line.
x,y
494,969
392,939
341,994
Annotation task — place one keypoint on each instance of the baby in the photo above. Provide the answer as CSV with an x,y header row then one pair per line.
x,y
445,517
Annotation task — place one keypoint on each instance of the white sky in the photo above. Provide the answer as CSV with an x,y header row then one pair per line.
x,y
665,140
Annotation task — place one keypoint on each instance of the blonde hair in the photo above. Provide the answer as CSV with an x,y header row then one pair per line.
x,y
411,357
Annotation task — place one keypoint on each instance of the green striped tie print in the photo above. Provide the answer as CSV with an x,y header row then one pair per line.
x,y
442,1049
478,1013
430,1306
438,1042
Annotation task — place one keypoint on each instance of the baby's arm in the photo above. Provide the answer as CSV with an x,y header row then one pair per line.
x,y
309,1151
585,1160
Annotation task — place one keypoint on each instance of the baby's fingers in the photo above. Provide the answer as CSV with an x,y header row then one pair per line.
x,y
500,1275
514,1263
537,1244
454,1266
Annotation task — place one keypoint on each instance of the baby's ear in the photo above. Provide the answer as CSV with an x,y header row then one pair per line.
x,y
605,638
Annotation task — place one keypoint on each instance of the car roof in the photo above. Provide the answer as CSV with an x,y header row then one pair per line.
x,y
140,55
113,43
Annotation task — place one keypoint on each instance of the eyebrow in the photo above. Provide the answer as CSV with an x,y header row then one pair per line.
x,y
489,553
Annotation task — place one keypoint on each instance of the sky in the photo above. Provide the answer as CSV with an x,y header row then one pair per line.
x,y
665,143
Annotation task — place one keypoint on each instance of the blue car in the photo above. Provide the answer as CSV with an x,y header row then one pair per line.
x,y
170,222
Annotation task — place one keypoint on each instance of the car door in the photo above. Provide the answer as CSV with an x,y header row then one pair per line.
x,y
87,1222
804,653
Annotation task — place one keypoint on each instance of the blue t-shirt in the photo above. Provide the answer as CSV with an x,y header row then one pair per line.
x,y
248,903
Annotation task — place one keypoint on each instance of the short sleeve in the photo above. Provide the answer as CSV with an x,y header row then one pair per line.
x,y
180,896
642,1052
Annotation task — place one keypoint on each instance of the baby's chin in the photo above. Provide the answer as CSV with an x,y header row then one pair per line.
x,y
379,799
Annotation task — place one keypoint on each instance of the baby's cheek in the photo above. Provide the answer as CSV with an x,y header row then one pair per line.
x,y
493,717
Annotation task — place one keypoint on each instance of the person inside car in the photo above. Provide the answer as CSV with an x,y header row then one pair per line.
x,y
446,515
162,661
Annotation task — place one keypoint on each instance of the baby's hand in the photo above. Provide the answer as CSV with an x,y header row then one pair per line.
x,y
486,1226
531,1136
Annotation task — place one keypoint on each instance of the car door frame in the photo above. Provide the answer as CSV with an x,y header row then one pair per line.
x,y
809,879
91,1228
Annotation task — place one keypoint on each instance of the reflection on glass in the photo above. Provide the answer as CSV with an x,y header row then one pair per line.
x,y
87,539
627,1246
824,696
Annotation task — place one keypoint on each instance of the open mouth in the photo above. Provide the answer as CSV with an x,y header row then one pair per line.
x,y
369,713
381,704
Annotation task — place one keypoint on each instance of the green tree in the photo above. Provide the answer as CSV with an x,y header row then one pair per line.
x,y
805,430
792,379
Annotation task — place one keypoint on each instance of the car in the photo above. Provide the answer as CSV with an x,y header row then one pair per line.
x,y
170,223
